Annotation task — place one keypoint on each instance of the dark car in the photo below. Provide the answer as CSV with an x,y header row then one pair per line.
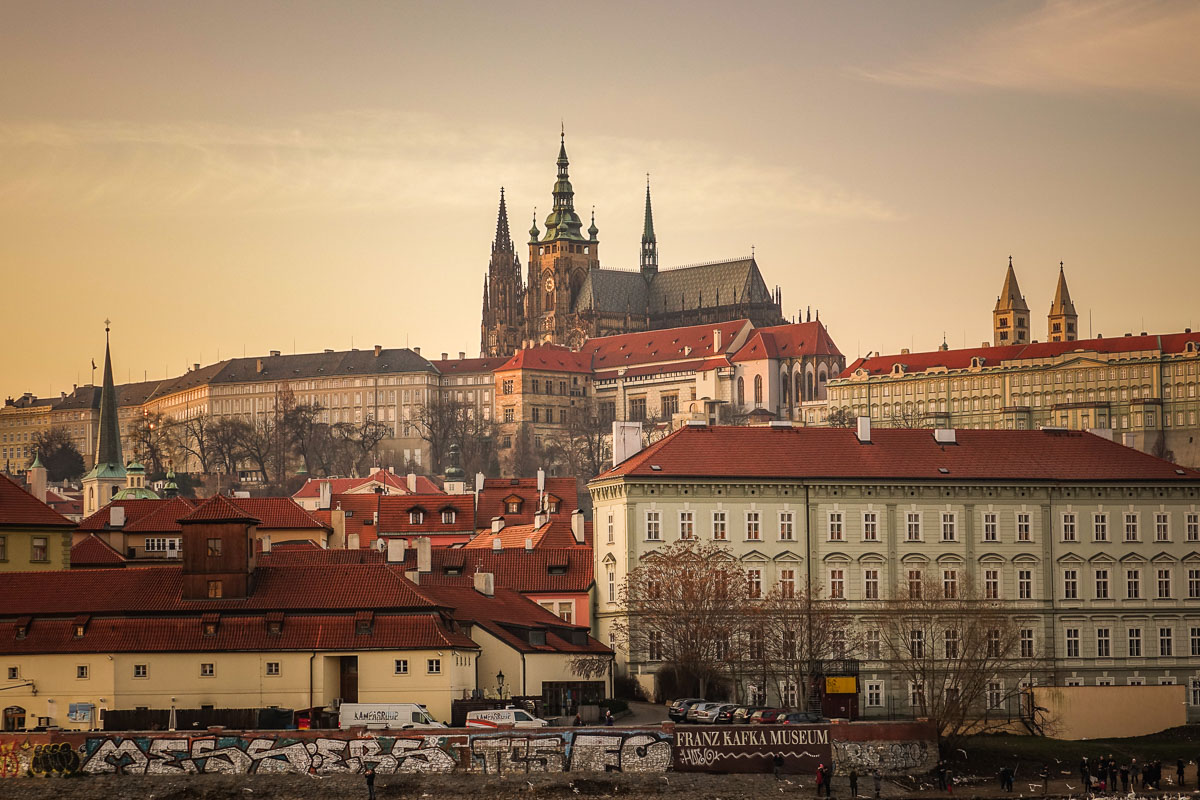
x,y
742,714
678,709
725,715
767,716
799,718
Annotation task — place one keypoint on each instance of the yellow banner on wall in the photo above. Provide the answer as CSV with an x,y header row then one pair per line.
x,y
841,686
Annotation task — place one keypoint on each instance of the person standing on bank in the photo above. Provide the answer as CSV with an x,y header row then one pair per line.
x,y
854,782
370,776
878,782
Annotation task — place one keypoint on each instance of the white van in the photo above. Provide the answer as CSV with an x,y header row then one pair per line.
x,y
402,716
495,717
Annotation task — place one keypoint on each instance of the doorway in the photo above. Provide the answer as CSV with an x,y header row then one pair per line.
x,y
349,679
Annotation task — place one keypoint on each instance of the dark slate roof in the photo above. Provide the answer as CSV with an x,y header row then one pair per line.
x,y
699,286
614,291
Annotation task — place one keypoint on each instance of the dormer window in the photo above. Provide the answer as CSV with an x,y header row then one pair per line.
x,y
209,624
274,623
416,517
448,517
210,629
363,623
552,505
556,569
79,630
537,637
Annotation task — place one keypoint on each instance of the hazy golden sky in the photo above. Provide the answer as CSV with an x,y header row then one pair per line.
x,y
228,176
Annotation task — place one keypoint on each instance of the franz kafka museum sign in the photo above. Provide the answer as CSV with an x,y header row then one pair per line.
x,y
798,748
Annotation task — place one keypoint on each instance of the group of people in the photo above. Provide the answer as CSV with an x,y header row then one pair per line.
x,y
825,779
1104,774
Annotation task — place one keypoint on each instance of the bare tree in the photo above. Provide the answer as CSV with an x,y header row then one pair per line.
x,y
802,634
228,442
261,445
909,417
957,652
193,437
684,604
153,440
841,418
362,439
301,424
583,447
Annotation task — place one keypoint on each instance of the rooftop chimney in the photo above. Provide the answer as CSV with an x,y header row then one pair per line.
x,y
196,367
541,479
424,555
274,352
462,355
417,350
485,583
479,479
497,545
528,545
577,526
325,496
410,481
497,524
626,440
716,340
945,436
337,521
353,542
266,543
378,350
539,519
864,430
116,516
395,551
258,367
445,356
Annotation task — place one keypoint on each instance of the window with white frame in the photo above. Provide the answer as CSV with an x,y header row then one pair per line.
x,y
1024,584
687,525
1103,643
82,672
871,583
836,533
916,643
1023,528
1074,682
991,584
837,583
1192,527
416,517
1166,645
1194,691
208,669
787,582
654,526
875,693
871,644
1164,583
400,666
1072,642
654,645
916,584
611,577
914,526
1131,527
949,526
990,528
995,694
1193,578
1195,640
1135,643
1070,584
159,544
838,642
1162,527
951,641
870,526
433,666
916,695
1100,527
1068,527
753,526
272,669
754,582
612,530
993,643
719,531
141,670
950,583
787,526
1133,584
448,516
1101,575
1026,639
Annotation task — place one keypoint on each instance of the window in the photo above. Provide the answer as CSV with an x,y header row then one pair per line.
x,y
916,583
1165,644
871,584
951,640
687,527
1193,583
1135,642
39,549
787,582
1101,584
670,405
870,526
1023,527
158,544
1072,642
1162,527
837,584
208,669
916,643
506,387
991,584
654,645
1133,584
447,517
566,611
835,526
81,672
1068,527
874,694
1131,527
433,666
753,530
1164,583
1193,528
754,582
637,409
786,526
995,694
1195,641
871,644
13,674
989,528
916,695
949,583
611,529
1100,527
509,414
214,548
1026,642
949,527
3,548
718,523
758,389
914,526
400,666
654,526
993,643
141,670
1103,643
1071,584
1194,691
216,589
273,670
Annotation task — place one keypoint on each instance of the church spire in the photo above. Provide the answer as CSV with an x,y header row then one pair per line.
x,y
1062,296
1062,321
503,240
563,222
649,241
108,448
1010,317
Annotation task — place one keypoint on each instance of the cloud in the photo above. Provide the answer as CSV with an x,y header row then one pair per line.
x,y
1071,46
373,162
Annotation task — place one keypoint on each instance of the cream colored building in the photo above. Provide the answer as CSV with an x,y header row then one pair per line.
x,y
1094,546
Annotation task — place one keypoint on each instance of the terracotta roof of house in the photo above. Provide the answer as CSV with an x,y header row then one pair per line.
x,y
548,358
510,536
135,509
20,509
788,341
312,487
275,513
234,632
662,346
394,514
496,491
219,508
565,569
64,504
162,518
92,551
309,554
893,453
994,356
673,367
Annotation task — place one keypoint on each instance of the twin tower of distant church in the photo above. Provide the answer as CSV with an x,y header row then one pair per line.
x,y
1010,317
566,297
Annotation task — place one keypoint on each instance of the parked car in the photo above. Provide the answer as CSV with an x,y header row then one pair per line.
x,y
678,709
799,718
767,716
702,713
725,714
742,714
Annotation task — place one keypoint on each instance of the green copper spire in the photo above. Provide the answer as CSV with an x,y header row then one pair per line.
x,y
592,229
563,222
534,232
649,242
108,448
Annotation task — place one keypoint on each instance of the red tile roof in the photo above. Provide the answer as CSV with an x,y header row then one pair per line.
x,y
994,356
521,571
662,346
134,511
275,513
673,367
218,508
548,358
497,490
93,551
836,453
394,514
19,509
312,487
788,341
510,536
234,633
162,518
309,555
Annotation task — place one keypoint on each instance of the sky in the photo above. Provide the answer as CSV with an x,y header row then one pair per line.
x,y
222,178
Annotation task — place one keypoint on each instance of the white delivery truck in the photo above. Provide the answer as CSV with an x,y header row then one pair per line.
x,y
495,717
400,716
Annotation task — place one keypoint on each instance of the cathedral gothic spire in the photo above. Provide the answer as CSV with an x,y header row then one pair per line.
x,y
1062,322
108,474
503,292
649,261
1010,317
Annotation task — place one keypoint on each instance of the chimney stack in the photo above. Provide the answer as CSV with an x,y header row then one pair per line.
x,y
325,496
378,350
353,542
266,543
462,355
337,521
395,551
626,440
485,583
528,545
445,356
116,516
417,350
716,341
410,481
864,430
577,529
497,524
274,353
258,366
497,545
424,555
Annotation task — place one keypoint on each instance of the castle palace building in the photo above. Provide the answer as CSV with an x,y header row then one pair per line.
x,y
567,298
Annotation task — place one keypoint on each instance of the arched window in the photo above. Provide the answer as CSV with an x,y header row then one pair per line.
x,y
799,388
784,387
758,394
741,392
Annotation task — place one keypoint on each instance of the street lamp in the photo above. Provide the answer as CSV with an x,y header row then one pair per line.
x,y
500,683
